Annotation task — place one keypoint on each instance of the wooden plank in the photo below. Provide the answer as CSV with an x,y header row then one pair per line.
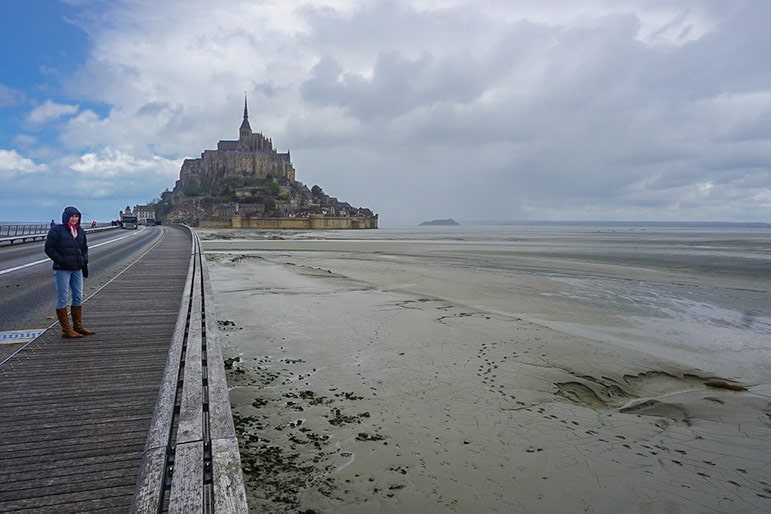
x,y
55,467
56,452
149,485
160,427
228,480
62,496
47,482
229,492
66,445
221,418
45,415
114,500
187,485
191,406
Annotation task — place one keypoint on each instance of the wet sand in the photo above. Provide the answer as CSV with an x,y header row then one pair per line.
x,y
436,376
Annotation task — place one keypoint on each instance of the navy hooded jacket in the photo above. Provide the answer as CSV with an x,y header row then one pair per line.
x,y
67,252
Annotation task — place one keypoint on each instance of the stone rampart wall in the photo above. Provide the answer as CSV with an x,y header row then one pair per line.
x,y
312,222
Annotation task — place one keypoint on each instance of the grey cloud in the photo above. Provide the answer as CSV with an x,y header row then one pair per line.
x,y
398,85
154,109
588,118
756,127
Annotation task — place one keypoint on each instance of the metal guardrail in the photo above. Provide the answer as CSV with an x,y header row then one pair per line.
x,y
21,230
23,233
14,234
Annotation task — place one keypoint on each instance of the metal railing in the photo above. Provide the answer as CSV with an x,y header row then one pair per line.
x,y
12,234
23,230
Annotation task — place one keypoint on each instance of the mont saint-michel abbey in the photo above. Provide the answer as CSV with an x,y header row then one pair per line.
x,y
248,184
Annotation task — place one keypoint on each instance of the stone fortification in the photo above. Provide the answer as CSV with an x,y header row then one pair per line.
x,y
311,222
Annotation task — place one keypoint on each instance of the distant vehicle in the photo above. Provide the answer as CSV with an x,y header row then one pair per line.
x,y
129,221
150,222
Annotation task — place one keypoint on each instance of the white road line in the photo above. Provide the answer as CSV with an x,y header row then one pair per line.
x,y
4,271
41,261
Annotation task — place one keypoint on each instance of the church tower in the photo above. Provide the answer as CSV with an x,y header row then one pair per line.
x,y
245,132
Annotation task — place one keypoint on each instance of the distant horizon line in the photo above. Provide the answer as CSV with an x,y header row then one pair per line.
x,y
536,222
593,222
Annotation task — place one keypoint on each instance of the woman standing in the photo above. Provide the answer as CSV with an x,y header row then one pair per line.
x,y
66,245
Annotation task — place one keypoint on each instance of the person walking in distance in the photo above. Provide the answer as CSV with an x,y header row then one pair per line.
x,y
66,245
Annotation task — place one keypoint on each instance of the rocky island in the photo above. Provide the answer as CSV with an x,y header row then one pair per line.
x,y
446,222
248,184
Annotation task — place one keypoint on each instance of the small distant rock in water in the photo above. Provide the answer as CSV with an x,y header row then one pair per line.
x,y
448,221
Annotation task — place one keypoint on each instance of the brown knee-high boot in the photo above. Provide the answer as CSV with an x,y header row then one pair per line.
x,y
64,321
77,321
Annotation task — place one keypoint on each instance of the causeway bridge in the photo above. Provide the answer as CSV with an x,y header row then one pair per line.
x,y
135,418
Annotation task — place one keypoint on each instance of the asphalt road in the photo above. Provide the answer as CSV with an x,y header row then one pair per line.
x,y
27,293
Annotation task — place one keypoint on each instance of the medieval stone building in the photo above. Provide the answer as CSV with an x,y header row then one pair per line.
x,y
250,158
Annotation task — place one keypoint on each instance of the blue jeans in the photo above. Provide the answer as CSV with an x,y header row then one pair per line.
x,y
65,281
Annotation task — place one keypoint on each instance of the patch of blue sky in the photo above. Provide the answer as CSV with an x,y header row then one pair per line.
x,y
41,44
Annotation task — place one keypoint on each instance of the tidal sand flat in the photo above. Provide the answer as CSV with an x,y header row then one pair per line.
x,y
517,369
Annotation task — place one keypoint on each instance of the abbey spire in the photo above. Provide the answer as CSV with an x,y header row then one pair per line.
x,y
246,130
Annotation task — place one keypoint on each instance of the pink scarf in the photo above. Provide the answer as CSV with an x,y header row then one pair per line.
x,y
73,230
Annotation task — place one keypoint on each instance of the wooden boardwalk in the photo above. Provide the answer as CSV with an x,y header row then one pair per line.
x,y
87,423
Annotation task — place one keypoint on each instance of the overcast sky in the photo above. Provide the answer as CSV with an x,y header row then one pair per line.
x,y
656,110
